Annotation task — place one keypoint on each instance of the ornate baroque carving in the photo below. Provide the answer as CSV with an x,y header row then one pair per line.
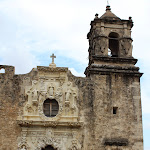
x,y
100,45
43,141
126,46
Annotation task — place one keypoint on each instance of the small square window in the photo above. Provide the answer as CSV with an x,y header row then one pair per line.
x,y
115,109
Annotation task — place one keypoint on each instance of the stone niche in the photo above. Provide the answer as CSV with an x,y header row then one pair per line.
x,y
61,131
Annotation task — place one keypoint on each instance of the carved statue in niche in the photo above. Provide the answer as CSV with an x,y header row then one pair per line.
x,y
34,95
73,106
31,106
51,91
68,93
70,100
126,45
68,97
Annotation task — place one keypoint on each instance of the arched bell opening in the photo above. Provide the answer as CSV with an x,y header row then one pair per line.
x,y
49,147
2,70
113,49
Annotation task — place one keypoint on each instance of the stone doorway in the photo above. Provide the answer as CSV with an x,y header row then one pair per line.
x,y
48,148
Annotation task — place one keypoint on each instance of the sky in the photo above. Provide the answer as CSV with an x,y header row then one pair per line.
x,y
31,30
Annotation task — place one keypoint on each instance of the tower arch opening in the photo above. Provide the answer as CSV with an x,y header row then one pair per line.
x,y
113,49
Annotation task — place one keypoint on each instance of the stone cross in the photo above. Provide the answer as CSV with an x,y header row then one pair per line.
x,y
107,2
52,65
53,56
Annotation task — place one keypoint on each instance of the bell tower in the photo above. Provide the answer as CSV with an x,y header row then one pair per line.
x,y
109,39
116,102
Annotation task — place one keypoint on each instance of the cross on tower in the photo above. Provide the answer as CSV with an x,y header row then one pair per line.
x,y
53,56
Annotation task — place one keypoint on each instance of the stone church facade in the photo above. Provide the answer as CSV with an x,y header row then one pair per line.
x,y
51,109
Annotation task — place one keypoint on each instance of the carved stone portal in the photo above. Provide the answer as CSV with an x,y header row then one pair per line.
x,y
38,138
38,130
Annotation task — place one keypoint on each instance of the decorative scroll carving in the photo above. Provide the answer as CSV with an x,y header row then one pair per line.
x,y
23,141
70,100
100,45
58,93
126,46
32,139
42,142
75,145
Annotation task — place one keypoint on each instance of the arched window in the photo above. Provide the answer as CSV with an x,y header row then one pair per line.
x,y
113,44
50,107
48,148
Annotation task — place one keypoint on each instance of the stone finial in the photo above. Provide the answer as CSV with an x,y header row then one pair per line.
x,y
96,16
130,18
108,8
52,65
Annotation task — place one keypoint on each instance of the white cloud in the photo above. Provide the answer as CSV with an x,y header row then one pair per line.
x,y
75,73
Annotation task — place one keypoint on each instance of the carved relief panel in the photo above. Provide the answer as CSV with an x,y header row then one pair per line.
x,y
61,131
100,46
50,86
38,138
126,47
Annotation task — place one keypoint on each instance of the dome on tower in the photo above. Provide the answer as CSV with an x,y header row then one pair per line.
x,y
108,15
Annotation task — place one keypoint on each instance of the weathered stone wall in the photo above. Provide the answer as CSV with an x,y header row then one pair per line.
x,y
125,127
9,108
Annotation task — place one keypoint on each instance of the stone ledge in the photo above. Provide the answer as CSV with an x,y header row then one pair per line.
x,y
115,67
106,71
27,123
130,60
49,69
